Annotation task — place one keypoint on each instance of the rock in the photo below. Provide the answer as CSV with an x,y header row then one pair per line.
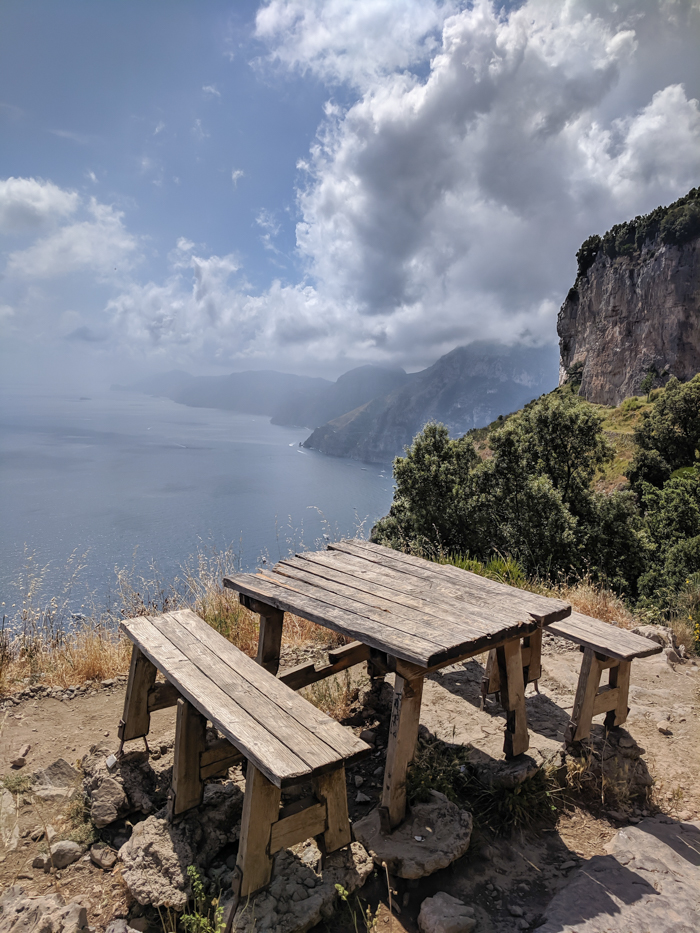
x,y
362,798
107,802
156,857
50,794
445,914
685,815
359,780
618,815
140,924
661,634
444,828
59,774
565,866
103,856
300,896
649,881
39,862
515,911
24,751
672,656
369,736
21,913
65,853
663,728
18,763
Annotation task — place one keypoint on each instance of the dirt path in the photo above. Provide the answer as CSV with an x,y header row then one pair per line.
x,y
509,881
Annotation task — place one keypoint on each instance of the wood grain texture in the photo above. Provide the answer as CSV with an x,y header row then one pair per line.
x,y
190,742
299,826
136,719
270,639
403,735
588,683
261,806
331,789
604,637
512,687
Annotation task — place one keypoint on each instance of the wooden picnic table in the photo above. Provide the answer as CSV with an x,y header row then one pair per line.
x,y
409,616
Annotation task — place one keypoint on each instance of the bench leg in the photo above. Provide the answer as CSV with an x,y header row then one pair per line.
x,y
330,788
260,810
531,650
588,683
403,735
270,638
510,672
620,678
136,720
190,741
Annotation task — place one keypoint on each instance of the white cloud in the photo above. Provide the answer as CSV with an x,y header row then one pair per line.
x,y
28,205
210,90
236,175
355,41
100,245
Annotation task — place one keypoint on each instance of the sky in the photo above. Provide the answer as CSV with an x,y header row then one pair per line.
x,y
310,185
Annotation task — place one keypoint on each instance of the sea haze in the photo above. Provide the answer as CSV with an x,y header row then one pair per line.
x,y
135,479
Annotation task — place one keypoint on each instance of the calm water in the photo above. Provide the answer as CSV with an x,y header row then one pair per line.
x,y
131,479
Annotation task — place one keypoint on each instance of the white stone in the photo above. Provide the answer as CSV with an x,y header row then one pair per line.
x,y
443,913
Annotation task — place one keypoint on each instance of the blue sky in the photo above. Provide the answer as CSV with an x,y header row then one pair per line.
x,y
312,184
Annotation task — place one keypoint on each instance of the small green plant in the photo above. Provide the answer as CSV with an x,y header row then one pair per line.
x,y
83,830
356,909
16,783
203,916
648,383
441,767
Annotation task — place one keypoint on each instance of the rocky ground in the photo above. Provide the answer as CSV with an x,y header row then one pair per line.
x,y
508,882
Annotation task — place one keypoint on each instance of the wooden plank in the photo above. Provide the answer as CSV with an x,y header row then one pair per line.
x,y
619,678
307,673
474,588
270,639
606,699
265,691
604,637
403,735
218,768
322,613
396,593
331,789
162,696
296,828
217,751
136,719
272,757
512,686
253,697
261,806
582,713
534,658
355,651
190,741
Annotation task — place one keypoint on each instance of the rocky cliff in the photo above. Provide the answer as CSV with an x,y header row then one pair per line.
x,y
467,388
635,306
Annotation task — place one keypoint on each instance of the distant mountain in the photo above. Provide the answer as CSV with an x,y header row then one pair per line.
x,y
288,399
467,388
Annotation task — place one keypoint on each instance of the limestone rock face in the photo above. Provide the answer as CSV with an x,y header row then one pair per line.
x,y
629,314
650,881
21,913
433,835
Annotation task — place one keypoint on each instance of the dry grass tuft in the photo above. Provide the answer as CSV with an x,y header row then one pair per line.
x,y
596,601
333,696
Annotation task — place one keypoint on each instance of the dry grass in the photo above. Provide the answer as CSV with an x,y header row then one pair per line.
x,y
333,696
596,601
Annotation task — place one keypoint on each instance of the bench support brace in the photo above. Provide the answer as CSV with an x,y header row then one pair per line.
x,y
136,719
592,699
190,742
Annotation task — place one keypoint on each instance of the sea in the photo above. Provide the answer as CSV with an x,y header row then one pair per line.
x,y
118,482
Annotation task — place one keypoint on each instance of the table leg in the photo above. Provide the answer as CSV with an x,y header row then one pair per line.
x,y
512,682
403,735
190,741
270,638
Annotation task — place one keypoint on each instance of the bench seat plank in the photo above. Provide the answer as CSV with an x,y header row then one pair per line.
x,y
604,637
318,739
277,762
461,584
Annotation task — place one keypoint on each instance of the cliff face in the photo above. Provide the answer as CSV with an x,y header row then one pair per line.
x,y
467,388
635,307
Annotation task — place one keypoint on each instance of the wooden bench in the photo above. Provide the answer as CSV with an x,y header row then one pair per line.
x,y
604,647
285,740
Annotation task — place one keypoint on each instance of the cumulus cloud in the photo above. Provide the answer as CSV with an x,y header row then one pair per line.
x,y
30,205
446,200
100,245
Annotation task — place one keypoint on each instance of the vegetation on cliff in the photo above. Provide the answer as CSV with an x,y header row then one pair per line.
x,y
674,225
530,488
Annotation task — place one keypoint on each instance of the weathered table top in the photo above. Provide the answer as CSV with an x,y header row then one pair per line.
x,y
410,608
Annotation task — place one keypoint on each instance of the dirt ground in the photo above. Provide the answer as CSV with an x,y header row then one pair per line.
x,y
508,879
